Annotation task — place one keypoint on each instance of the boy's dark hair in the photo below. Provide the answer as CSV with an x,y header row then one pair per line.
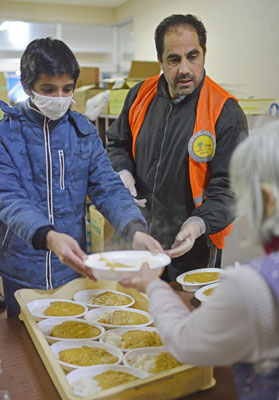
x,y
47,56
174,20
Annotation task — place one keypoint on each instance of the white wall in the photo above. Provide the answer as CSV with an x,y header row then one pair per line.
x,y
242,38
89,31
44,12
242,34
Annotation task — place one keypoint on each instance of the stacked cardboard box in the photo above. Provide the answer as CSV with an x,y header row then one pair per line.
x,y
3,91
103,236
256,106
87,86
88,76
138,72
82,94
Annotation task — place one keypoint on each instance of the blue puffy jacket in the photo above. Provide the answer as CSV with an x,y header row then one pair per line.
x,y
46,170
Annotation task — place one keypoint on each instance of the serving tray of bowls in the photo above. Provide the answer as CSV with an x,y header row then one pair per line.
x,y
174,383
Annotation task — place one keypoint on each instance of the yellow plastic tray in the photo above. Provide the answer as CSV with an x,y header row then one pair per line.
x,y
173,384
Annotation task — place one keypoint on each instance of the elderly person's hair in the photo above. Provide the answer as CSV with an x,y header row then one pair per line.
x,y
254,161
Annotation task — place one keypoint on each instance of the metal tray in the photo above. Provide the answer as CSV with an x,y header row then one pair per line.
x,y
173,384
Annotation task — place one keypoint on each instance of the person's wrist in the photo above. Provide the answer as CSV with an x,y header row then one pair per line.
x,y
197,223
132,228
197,229
39,238
50,237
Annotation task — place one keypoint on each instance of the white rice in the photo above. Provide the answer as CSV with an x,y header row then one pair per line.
x,y
85,387
144,361
113,339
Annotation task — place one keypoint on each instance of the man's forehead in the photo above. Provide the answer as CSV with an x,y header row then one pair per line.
x,y
180,29
181,35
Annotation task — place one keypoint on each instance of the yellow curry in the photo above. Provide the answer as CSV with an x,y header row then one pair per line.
x,y
113,264
109,379
201,277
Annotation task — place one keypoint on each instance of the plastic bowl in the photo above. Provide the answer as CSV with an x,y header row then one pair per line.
x,y
103,264
63,345
192,287
200,293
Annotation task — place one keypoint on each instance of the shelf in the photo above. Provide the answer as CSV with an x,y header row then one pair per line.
x,y
103,122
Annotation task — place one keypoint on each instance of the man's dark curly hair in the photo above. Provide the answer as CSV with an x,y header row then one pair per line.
x,y
174,20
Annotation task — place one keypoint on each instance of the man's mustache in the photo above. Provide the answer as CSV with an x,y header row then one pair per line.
x,y
184,76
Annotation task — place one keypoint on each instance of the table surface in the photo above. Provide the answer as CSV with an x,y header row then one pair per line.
x,y
25,377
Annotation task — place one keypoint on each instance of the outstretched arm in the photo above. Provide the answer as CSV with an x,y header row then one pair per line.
x,y
69,252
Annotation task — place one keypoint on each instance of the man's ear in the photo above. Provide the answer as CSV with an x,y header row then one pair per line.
x,y
268,200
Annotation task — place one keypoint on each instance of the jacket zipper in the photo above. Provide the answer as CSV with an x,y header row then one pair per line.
x,y
158,166
49,197
62,169
5,237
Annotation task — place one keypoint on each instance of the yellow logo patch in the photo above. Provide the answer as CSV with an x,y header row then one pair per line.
x,y
203,146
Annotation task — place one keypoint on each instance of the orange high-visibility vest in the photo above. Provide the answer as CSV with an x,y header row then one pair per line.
x,y
202,143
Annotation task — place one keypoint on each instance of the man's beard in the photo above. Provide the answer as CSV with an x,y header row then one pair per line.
x,y
181,92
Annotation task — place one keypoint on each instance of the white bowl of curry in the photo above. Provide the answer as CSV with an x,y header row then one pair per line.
x,y
195,279
119,265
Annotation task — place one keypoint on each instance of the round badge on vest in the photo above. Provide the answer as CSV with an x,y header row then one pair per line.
x,y
202,146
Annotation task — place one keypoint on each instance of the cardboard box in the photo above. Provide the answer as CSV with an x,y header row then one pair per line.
x,y
3,91
3,88
82,94
256,106
117,99
143,69
103,236
139,71
88,76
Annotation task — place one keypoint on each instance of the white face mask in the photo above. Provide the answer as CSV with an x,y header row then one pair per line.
x,y
52,107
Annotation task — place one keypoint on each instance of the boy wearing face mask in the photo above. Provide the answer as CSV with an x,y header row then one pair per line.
x,y
50,159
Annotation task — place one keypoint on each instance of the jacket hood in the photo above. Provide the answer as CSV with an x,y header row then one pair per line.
x,y
23,110
7,109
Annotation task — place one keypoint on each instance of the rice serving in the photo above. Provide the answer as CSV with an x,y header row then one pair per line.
x,y
134,339
155,363
105,380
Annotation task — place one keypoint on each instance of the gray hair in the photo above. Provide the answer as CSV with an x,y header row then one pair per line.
x,y
254,161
